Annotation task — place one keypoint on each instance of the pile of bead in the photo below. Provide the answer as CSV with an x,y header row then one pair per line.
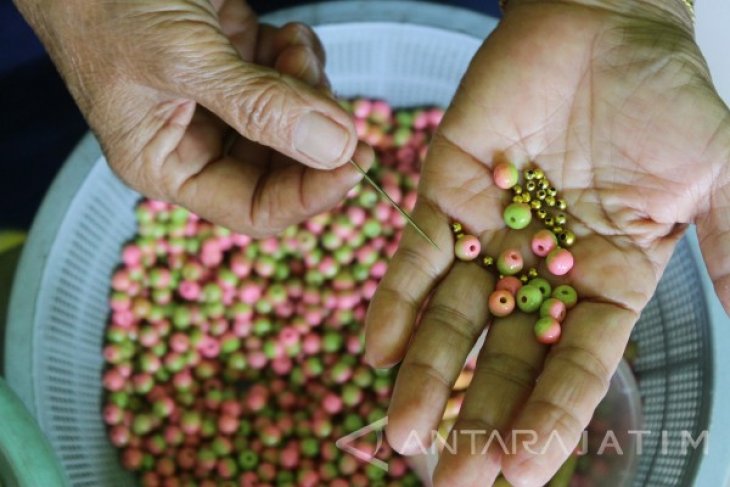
x,y
237,362
529,293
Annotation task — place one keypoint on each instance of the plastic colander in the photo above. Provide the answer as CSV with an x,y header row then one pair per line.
x,y
375,49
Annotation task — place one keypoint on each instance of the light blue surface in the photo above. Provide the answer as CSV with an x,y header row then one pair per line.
x,y
714,469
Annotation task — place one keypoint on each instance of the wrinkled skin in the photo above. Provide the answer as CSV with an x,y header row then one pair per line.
x,y
617,107
197,103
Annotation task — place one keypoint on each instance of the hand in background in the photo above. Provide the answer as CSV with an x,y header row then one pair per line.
x,y
191,103
615,104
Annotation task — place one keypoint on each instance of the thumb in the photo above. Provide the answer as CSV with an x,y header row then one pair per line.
x,y
273,109
713,232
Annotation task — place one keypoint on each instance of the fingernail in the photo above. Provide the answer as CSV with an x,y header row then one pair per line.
x,y
320,139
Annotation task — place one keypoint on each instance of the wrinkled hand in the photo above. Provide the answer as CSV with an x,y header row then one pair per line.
x,y
191,103
615,104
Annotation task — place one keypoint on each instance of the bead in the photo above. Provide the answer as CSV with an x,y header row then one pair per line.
x,y
539,174
505,175
551,191
532,273
549,221
517,189
510,262
456,227
566,238
561,204
561,218
535,204
526,198
510,284
529,174
553,308
557,229
547,330
524,278
529,298
488,261
517,216
541,214
542,284
566,294
467,247
560,261
543,242
501,303
531,186
541,194
517,199
543,185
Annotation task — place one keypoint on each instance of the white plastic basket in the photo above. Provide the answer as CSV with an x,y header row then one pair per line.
x,y
59,304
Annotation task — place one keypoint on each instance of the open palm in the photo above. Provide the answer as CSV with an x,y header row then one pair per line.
x,y
618,110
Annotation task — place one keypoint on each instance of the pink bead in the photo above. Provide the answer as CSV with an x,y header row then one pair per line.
x,y
250,293
368,289
119,435
227,424
378,269
505,175
559,261
189,290
113,380
501,303
311,344
467,247
543,242
289,458
240,240
257,359
242,327
179,342
132,255
209,347
288,336
282,365
332,403
510,284
124,318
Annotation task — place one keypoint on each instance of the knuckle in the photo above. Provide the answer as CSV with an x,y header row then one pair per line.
x,y
583,363
455,320
430,371
508,368
562,416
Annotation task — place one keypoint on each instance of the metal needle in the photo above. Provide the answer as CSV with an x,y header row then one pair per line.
x,y
395,205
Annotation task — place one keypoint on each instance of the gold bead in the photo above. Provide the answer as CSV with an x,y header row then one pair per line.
x,y
524,279
552,191
550,201
526,198
531,186
541,214
549,221
517,189
561,218
535,204
488,261
458,235
541,194
538,173
544,184
456,227
561,204
532,273
567,238
557,229
529,174
517,198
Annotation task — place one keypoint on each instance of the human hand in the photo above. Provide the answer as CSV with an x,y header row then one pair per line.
x,y
191,102
614,102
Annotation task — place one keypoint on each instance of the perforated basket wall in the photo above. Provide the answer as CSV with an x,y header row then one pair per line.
x,y
59,304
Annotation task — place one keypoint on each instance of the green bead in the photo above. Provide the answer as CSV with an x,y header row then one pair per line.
x,y
529,298
566,294
517,215
248,459
542,284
